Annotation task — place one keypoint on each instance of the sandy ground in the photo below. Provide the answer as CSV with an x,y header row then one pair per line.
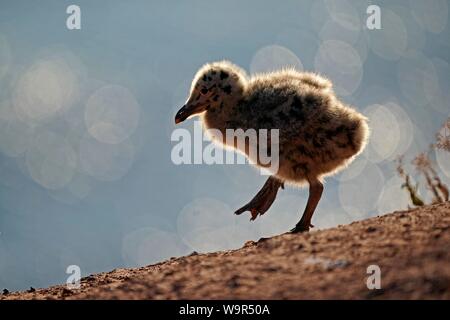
x,y
412,249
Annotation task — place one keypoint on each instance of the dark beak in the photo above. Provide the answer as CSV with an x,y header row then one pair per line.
x,y
182,114
186,111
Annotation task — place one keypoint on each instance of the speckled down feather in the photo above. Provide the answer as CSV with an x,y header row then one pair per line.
x,y
318,133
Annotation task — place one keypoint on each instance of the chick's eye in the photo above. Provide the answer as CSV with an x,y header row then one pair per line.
x,y
204,91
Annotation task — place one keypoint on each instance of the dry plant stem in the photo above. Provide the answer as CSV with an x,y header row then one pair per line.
x,y
443,137
412,191
432,186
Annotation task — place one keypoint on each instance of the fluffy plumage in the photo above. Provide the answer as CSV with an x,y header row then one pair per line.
x,y
319,134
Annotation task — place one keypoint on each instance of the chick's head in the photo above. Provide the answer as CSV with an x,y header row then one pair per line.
x,y
213,86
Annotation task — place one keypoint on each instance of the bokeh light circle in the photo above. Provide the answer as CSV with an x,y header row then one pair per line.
x,y
333,30
393,197
112,114
319,15
50,160
206,225
15,135
295,39
416,33
406,129
384,133
104,161
44,89
417,78
342,64
75,191
360,195
391,41
343,12
437,88
347,33
274,57
431,15
354,168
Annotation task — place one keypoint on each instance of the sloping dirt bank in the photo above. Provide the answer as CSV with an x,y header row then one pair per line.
x,y
411,248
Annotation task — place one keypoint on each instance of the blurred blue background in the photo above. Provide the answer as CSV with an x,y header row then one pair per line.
x,y
86,117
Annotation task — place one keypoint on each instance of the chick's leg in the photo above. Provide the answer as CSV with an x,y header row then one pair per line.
x,y
315,192
263,199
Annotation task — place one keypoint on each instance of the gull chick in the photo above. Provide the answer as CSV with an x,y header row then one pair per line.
x,y
318,134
